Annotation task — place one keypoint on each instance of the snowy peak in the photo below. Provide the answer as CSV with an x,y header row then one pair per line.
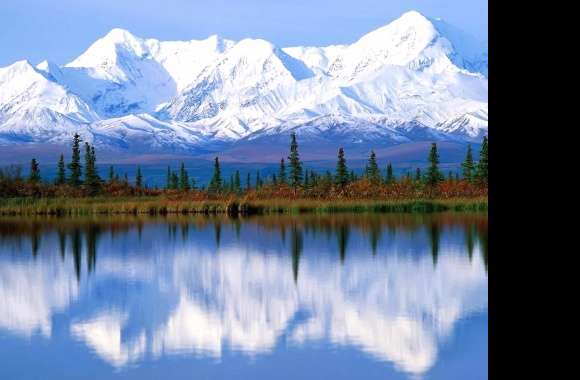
x,y
414,78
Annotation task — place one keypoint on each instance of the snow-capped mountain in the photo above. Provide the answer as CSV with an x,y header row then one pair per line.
x,y
414,79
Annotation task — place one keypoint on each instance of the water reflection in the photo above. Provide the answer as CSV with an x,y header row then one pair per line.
x,y
392,287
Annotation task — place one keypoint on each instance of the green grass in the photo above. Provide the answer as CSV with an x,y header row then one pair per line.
x,y
162,206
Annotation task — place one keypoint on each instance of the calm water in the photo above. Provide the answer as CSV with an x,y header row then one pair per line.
x,y
307,297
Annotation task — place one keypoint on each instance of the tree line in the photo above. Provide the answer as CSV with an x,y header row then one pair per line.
x,y
81,178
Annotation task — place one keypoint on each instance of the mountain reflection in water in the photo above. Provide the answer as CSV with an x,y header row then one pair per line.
x,y
393,287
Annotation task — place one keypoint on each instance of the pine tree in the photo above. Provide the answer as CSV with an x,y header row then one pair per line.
x,y
248,183
183,178
418,174
111,174
139,179
482,165
282,173
307,183
215,185
237,182
34,176
468,166
373,172
174,181
390,178
258,180
75,166
231,184
352,176
60,171
341,170
295,164
126,180
434,175
92,180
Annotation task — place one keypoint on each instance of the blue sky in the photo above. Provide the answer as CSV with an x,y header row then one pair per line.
x,y
60,30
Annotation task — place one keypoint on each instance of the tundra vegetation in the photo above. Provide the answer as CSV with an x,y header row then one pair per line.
x,y
78,188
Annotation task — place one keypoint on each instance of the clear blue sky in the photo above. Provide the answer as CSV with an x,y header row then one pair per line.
x,y
60,30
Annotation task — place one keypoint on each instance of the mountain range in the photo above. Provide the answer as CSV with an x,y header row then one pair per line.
x,y
414,80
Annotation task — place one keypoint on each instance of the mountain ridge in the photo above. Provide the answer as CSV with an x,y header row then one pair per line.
x,y
414,79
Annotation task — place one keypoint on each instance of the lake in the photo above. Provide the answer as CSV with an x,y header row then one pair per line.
x,y
343,296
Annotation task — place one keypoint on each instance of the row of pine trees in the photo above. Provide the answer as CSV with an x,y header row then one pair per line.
x,y
293,175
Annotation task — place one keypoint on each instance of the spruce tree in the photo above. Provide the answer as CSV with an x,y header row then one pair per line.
x,y
482,165
282,173
434,175
373,172
215,185
418,174
467,166
111,174
34,176
295,164
390,178
307,184
92,179
139,179
174,181
248,183
352,176
183,178
341,170
75,166
258,180
60,171
237,182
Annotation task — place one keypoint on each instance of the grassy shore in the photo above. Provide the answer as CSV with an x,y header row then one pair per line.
x,y
161,205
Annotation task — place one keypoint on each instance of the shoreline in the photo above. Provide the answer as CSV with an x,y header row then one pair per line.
x,y
160,205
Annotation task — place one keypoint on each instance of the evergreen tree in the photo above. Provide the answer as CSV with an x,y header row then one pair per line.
x,y
307,183
60,171
482,170
274,179
111,174
215,185
237,182
92,180
126,180
75,166
373,172
231,184
353,177
139,179
174,181
450,176
34,176
434,175
248,183
183,178
282,173
341,170
418,174
258,180
193,184
295,164
468,165
390,178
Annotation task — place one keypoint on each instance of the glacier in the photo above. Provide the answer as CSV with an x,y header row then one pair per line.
x,y
414,79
